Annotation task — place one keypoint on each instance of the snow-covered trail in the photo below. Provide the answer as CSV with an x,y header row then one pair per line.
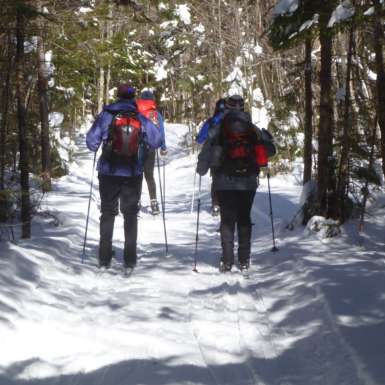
x,y
63,322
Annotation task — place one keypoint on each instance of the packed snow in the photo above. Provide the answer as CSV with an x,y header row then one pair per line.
x,y
312,313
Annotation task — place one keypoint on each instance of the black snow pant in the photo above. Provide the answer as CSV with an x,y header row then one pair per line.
x,y
235,207
115,190
149,166
214,197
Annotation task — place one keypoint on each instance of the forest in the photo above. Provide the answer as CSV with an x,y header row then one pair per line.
x,y
311,71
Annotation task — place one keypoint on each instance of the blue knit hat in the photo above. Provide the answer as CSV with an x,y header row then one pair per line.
x,y
147,95
125,91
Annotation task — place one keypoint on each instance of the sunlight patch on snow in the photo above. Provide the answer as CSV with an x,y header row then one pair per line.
x,y
358,321
289,339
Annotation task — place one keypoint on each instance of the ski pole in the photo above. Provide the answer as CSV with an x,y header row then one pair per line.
x,y
162,202
164,183
193,194
197,227
274,248
88,210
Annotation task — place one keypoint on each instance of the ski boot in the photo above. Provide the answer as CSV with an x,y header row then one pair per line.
x,y
225,266
244,266
154,207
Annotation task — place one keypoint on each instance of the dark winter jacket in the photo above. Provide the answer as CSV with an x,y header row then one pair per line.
x,y
98,134
210,157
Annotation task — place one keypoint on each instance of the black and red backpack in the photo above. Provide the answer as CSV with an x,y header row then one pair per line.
x,y
238,139
124,139
244,151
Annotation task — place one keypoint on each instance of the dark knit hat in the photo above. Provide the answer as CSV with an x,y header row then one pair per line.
x,y
235,102
147,95
125,91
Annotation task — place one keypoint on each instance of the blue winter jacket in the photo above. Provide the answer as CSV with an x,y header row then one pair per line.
x,y
98,134
209,123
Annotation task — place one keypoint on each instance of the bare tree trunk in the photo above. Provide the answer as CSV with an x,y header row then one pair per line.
x,y
4,118
42,86
173,99
100,85
21,116
325,171
365,189
100,89
307,157
220,45
347,129
73,125
83,104
380,82
108,36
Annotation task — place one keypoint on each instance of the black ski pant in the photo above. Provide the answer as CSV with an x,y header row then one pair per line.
x,y
115,190
149,165
214,197
235,207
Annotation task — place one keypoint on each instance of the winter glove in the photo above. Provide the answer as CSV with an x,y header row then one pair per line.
x,y
163,152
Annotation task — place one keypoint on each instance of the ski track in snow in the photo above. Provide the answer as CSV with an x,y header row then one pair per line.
x,y
67,323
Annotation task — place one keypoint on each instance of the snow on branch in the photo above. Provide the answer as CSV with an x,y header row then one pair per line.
x,y
285,7
343,12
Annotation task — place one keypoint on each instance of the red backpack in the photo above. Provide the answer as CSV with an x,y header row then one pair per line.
x,y
124,138
147,107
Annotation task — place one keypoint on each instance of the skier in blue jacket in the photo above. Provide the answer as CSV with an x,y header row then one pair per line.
x,y
202,136
120,182
212,121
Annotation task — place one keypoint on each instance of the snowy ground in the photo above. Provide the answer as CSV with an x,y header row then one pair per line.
x,y
311,314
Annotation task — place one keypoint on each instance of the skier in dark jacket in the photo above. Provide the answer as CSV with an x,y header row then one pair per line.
x,y
204,133
147,107
120,182
235,192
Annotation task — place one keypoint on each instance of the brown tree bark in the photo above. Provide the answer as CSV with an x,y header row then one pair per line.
x,y
109,33
347,129
21,117
307,156
380,82
5,110
325,132
42,87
